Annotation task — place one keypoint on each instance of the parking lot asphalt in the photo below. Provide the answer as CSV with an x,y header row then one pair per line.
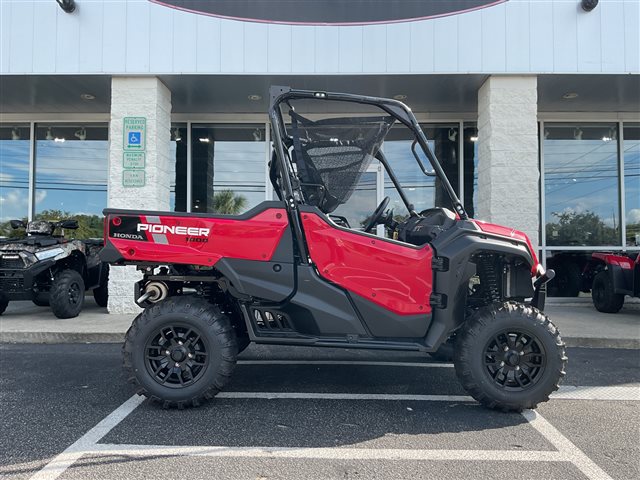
x,y
292,413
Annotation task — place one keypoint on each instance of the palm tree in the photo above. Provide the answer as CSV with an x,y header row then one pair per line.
x,y
227,202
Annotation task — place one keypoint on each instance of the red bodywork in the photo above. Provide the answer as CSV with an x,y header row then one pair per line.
x,y
396,277
621,261
255,238
510,233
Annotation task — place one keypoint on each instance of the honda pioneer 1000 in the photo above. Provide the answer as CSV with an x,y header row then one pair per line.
x,y
296,271
49,269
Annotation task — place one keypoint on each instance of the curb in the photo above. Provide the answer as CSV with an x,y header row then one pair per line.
x,y
60,337
90,337
595,342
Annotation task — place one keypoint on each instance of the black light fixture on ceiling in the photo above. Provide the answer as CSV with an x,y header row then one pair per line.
x,y
588,5
69,6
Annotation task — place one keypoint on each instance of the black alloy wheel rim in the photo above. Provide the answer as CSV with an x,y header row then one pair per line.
x,y
74,293
176,356
514,359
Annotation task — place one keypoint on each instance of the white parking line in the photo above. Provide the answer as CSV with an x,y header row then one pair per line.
x,y
564,393
569,392
567,451
72,454
329,453
565,446
343,396
346,362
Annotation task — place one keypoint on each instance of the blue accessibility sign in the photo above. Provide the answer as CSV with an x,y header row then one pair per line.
x,y
134,133
135,138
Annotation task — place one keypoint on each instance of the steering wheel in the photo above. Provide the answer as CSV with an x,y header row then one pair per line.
x,y
375,217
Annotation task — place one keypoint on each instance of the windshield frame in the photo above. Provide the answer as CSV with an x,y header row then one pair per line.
x,y
396,109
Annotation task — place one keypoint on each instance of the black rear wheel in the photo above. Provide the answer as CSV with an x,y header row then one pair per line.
x,y
66,296
510,357
4,303
180,352
603,295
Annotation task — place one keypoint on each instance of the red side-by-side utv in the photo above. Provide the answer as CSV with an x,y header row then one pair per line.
x,y
295,272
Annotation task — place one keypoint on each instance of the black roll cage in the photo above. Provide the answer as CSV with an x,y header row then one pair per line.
x,y
395,108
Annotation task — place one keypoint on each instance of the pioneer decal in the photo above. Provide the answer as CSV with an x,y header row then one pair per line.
x,y
328,12
173,229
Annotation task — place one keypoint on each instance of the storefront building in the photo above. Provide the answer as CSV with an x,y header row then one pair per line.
x,y
533,108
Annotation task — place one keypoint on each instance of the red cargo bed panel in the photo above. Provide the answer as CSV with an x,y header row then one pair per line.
x,y
195,239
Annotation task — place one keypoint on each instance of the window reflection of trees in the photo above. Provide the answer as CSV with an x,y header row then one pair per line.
x,y
581,185
632,183
14,174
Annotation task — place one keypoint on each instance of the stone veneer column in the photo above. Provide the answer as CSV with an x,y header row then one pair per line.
x,y
137,97
508,169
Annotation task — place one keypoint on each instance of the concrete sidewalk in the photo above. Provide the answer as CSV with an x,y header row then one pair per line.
x,y
579,323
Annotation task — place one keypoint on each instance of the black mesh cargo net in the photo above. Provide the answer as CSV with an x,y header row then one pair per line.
x,y
331,155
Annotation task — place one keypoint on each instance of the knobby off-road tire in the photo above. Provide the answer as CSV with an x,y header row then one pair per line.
x,y
187,332
509,357
4,303
603,296
41,300
101,293
66,296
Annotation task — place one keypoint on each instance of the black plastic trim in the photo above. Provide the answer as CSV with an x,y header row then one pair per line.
x,y
384,323
110,254
271,281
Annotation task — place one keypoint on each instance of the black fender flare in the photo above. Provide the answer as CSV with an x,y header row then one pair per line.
x,y
457,246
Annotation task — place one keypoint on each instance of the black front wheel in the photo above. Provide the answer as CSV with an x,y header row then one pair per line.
x,y
41,300
66,296
510,357
180,352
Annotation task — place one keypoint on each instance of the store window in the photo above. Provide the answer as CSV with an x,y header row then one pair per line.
x,y
423,191
581,185
470,159
228,165
71,174
178,168
363,201
632,183
14,175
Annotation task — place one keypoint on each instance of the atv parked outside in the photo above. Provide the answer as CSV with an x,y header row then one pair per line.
x,y
297,272
50,270
611,276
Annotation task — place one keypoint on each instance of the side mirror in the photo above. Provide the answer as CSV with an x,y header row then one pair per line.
x,y
431,173
15,224
68,224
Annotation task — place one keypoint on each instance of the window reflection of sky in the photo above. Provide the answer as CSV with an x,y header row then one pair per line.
x,y
581,176
72,176
240,166
419,188
14,179
632,183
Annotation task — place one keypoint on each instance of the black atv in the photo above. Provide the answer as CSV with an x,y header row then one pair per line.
x,y
49,269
